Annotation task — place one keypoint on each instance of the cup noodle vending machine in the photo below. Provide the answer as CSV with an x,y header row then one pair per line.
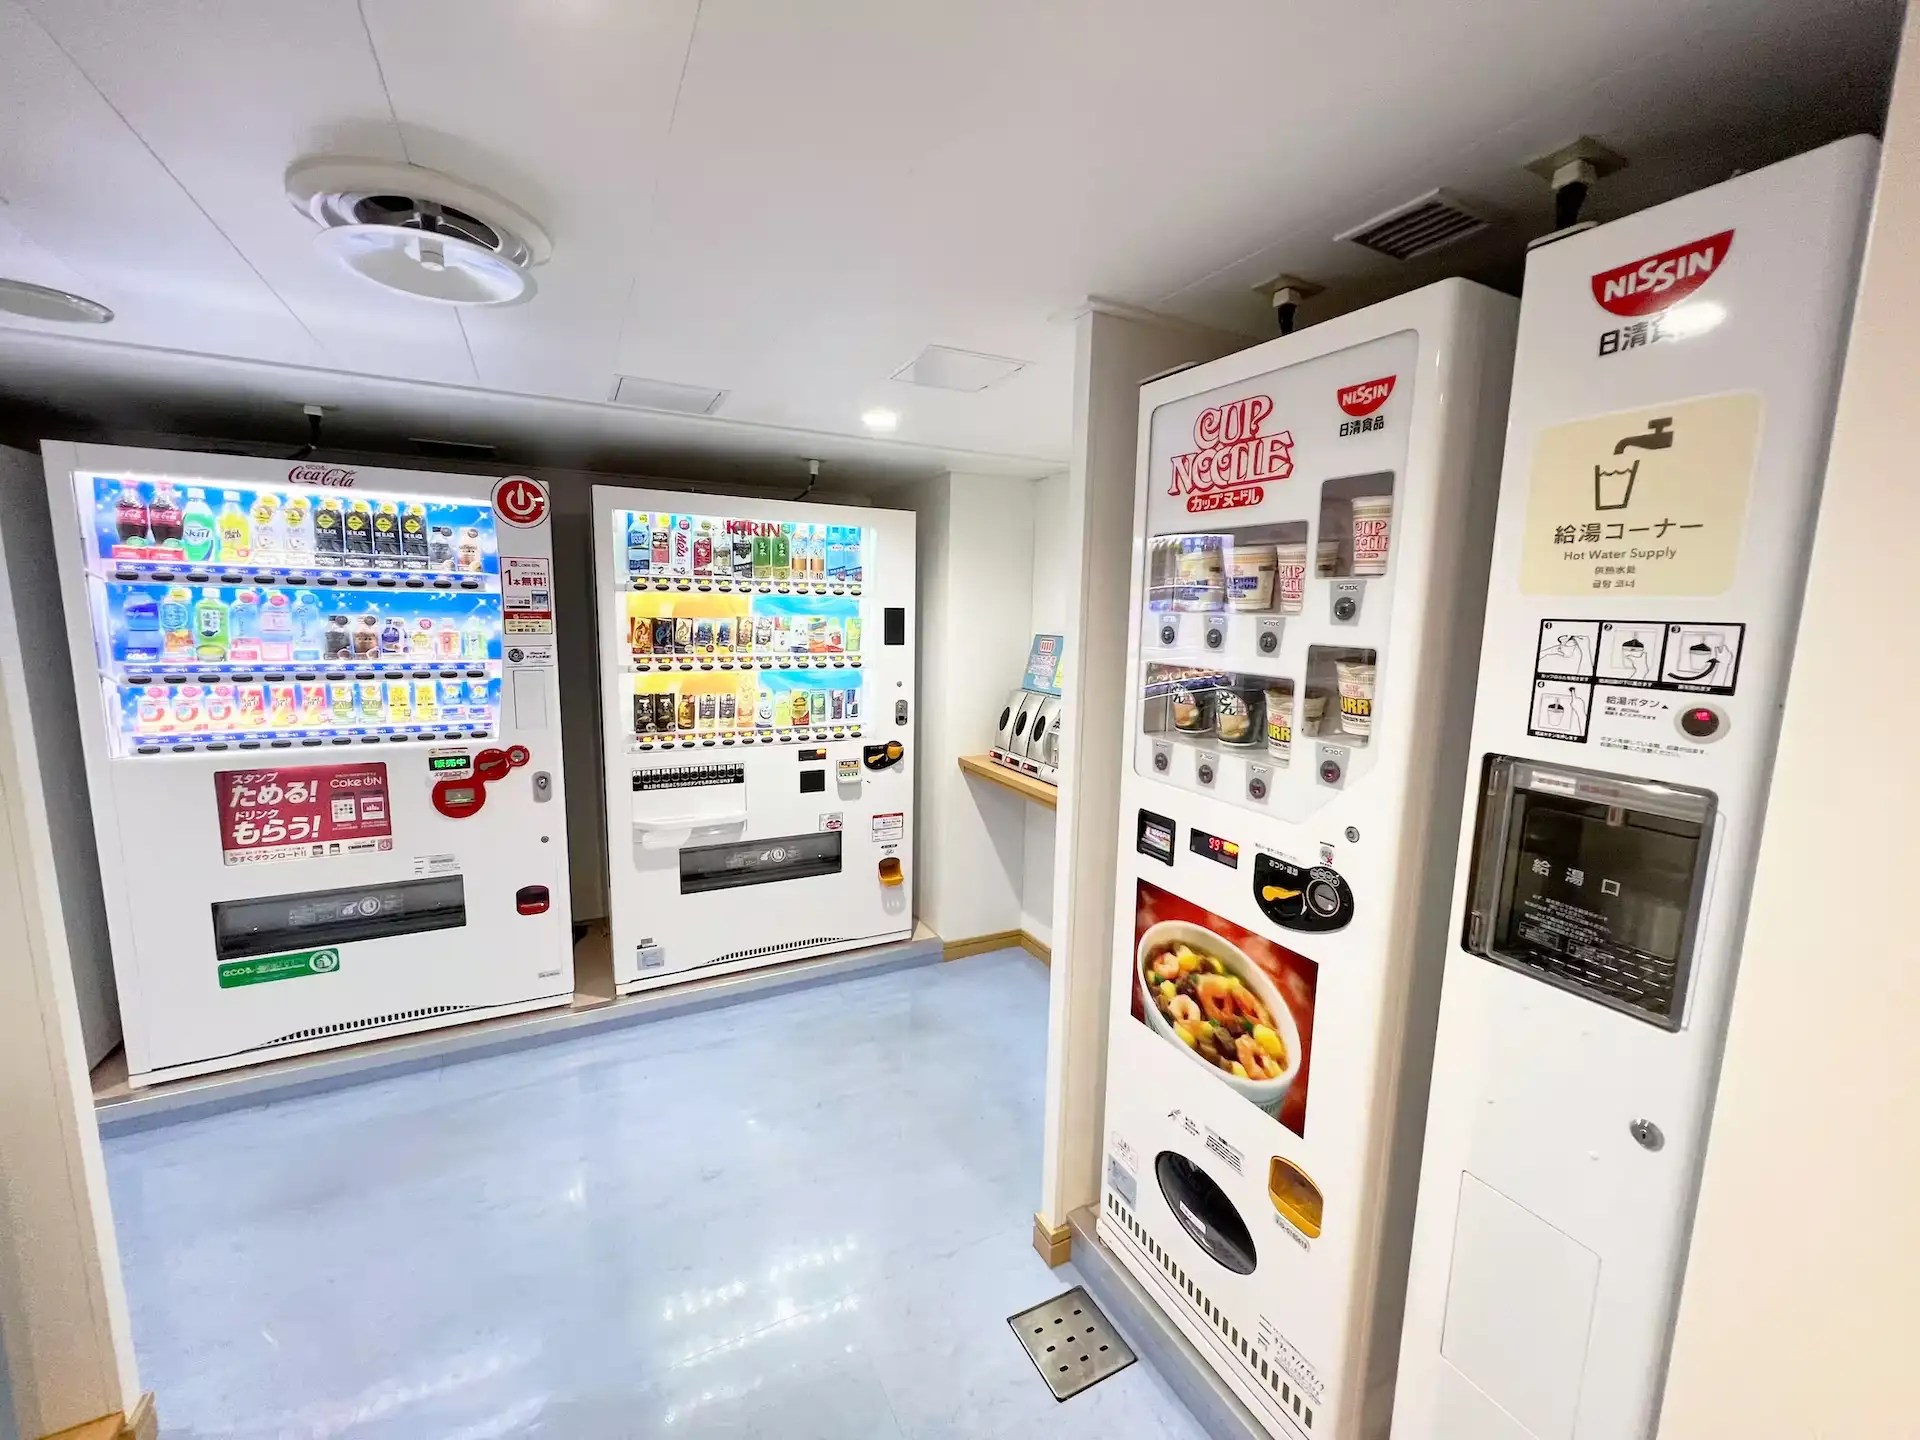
x,y
1312,523
1673,393
757,693
320,717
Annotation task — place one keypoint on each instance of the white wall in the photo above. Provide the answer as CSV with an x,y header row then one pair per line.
x,y
1114,354
1051,611
63,1313
976,548
1798,1314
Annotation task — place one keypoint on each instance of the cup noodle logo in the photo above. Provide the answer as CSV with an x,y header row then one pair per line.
x,y
1234,459
1641,287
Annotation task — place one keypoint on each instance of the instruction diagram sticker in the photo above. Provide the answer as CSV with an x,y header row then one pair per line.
x,y
1561,710
1567,648
1704,659
1650,501
1630,651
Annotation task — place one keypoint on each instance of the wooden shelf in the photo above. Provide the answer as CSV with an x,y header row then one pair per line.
x,y
1038,791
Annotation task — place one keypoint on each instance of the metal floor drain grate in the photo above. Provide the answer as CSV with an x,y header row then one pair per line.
x,y
1071,1343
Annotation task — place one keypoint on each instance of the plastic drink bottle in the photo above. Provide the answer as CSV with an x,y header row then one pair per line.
x,y
386,530
250,705
399,702
163,518
141,616
413,532
373,702
474,640
639,545
340,701
313,704
276,626
453,700
307,630
176,623
236,535
198,538
424,695
283,704
264,520
357,528
210,626
393,640
420,639
446,641
329,532
296,530
130,514
243,626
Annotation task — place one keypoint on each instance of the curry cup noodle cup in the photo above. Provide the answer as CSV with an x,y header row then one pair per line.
x,y
1280,724
1267,1095
1356,697
1372,522
1290,577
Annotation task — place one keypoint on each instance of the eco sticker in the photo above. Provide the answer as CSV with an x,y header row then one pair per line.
x,y
260,970
1650,501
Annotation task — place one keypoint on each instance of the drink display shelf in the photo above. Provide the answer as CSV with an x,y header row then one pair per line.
x,y
251,740
771,663
387,667
689,740
728,585
384,577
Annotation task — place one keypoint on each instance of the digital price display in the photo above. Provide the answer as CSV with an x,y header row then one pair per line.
x,y
1226,852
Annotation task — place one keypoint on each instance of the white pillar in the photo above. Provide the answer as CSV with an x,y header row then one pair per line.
x,y
63,1313
1797,1314
1115,352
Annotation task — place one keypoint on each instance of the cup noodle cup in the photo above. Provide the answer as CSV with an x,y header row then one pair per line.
x,y
1250,577
1280,724
1372,517
1290,578
1313,711
1356,697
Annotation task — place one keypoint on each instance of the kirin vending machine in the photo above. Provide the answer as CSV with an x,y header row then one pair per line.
x,y
1312,523
756,665
320,718
1673,394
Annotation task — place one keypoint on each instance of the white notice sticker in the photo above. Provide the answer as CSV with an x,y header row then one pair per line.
x,y
891,826
531,655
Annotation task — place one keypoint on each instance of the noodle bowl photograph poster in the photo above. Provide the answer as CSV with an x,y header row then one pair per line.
x,y
1236,1002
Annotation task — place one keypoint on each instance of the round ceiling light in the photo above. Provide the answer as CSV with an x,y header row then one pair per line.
x,y
419,232
43,302
428,264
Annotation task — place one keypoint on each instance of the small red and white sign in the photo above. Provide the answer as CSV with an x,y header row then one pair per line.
x,y
1641,287
520,501
1234,460
306,812
1366,397
526,594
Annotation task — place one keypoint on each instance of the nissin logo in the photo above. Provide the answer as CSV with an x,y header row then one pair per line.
x,y
1644,286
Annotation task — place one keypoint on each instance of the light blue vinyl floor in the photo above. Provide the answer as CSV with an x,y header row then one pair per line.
x,y
804,1217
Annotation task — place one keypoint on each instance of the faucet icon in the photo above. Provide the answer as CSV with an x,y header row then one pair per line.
x,y
1659,436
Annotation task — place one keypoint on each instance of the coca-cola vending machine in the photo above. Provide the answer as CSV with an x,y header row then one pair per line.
x,y
320,717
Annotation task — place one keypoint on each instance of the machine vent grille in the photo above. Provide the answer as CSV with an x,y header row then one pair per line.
x,y
756,951
1250,1356
1419,227
372,1022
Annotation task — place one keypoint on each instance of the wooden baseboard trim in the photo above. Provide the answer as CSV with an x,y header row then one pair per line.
x,y
979,944
1054,1244
1038,949
142,1424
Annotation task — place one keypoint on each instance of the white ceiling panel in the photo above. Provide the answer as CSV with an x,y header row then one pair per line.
x,y
564,109
243,88
81,186
788,199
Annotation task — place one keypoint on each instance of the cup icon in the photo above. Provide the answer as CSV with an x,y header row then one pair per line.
x,y
1613,489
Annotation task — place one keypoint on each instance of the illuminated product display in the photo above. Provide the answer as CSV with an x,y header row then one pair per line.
x,y
1312,519
1675,381
753,657
278,666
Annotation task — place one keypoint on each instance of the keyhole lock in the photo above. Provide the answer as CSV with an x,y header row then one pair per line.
x,y
1646,1134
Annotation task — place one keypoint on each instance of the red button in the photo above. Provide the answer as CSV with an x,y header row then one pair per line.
x,y
517,755
531,900
458,798
491,764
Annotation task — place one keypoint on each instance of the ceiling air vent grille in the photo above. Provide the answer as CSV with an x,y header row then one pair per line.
x,y
1432,222
644,394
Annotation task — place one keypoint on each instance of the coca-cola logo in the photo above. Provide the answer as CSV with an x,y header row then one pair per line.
x,y
337,476
1366,397
1641,287
1234,458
